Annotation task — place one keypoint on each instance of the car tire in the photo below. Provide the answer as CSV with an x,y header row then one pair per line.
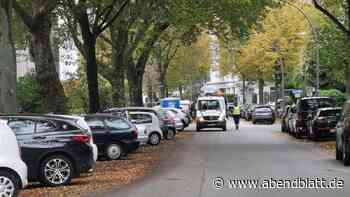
x,y
338,153
198,128
297,135
170,134
154,139
346,155
10,182
114,151
254,122
53,163
224,128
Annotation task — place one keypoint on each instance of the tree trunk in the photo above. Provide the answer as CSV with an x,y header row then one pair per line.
x,y
119,38
92,74
51,88
244,89
135,87
347,80
8,71
261,91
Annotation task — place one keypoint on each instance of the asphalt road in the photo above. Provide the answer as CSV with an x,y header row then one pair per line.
x,y
254,152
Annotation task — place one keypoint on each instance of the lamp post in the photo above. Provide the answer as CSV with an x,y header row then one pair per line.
x,y
314,32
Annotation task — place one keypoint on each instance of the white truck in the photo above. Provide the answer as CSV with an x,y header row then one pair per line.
x,y
211,112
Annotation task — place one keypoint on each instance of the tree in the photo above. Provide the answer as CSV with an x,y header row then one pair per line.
x,y
190,65
93,18
279,39
338,13
39,24
8,74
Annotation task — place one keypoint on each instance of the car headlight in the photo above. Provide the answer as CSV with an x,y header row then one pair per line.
x,y
222,117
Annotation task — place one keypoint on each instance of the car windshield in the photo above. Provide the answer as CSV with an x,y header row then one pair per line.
x,y
209,105
262,110
327,113
117,123
314,104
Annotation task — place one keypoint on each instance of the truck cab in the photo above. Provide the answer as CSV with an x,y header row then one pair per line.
x,y
211,113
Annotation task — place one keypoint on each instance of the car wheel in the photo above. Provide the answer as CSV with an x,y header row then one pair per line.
x,y
338,153
114,151
56,170
224,128
154,139
254,122
198,127
9,184
170,134
346,155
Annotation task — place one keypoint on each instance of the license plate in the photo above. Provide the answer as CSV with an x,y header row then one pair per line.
x,y
333,130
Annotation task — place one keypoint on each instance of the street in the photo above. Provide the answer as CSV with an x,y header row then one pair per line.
x,y
254,152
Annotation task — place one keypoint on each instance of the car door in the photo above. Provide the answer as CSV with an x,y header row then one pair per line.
x,y
98,129
24,129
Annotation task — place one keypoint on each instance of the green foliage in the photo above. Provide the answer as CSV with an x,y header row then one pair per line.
x,y
280,39
28,97
191,64
336,94
76,91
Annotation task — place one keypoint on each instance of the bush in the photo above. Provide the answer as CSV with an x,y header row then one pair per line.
x,y
28,96
339,96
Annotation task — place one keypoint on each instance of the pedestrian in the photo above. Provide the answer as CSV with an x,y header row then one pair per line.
x,y
236,115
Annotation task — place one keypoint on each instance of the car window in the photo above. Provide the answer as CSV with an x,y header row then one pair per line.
x,y
314,104
326,113
22,126
117,124
262,110
45,126
95,124
209,105
141,118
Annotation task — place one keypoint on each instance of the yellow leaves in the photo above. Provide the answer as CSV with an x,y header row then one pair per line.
x,y
282,35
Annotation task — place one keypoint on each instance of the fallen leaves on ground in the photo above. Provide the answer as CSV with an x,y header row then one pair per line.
x,y
328,146
110,174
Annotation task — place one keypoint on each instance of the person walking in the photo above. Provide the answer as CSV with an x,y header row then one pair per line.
x,y
236,115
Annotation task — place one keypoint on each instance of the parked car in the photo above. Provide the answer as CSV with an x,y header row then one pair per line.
x,y
186,119
178,122
169,124
13,171
343,135
306,108
248,112
55,148
211,113
323,124
153,132
285,119
114,136
263,113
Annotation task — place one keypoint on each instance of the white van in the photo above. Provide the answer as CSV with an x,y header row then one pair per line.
x,y
211,113
13,171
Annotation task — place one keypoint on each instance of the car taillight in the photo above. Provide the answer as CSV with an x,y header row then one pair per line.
x,y
81,138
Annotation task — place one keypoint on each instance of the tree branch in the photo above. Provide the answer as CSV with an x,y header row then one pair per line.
x,y
107,21
331,17
26,18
